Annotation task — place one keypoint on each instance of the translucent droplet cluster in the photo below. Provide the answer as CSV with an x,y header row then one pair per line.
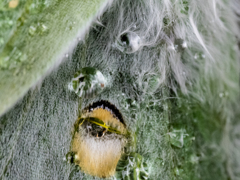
x,y
128,42
88,82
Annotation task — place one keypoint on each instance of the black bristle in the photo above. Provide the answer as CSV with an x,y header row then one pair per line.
x,y
105,104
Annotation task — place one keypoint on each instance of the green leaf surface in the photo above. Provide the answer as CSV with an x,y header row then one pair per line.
x,y
41,35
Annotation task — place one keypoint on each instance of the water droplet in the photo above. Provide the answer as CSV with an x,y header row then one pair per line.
x,y
128,42
194,159
178,171
196,56
88,82
203,56
180,45
17,55
154,83
10,22
132,165
66,55
221,95
171,47
13,60
32,30
165,107
176,137
43,28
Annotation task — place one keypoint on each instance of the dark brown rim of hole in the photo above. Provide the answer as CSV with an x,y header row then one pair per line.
x,y
108,106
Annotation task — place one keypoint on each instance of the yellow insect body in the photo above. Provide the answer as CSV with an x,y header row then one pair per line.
x,y
98,156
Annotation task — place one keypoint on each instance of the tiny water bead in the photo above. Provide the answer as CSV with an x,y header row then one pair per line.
x,y
199,55
223,94
132,166
193,159
196,56
88,82
128,42
178,171
43,28
36,6
150,83
32,30
180,45
13,60
177,137
38,28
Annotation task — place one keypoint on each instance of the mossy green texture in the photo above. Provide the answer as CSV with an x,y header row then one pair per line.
x,y
132,166
42,32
